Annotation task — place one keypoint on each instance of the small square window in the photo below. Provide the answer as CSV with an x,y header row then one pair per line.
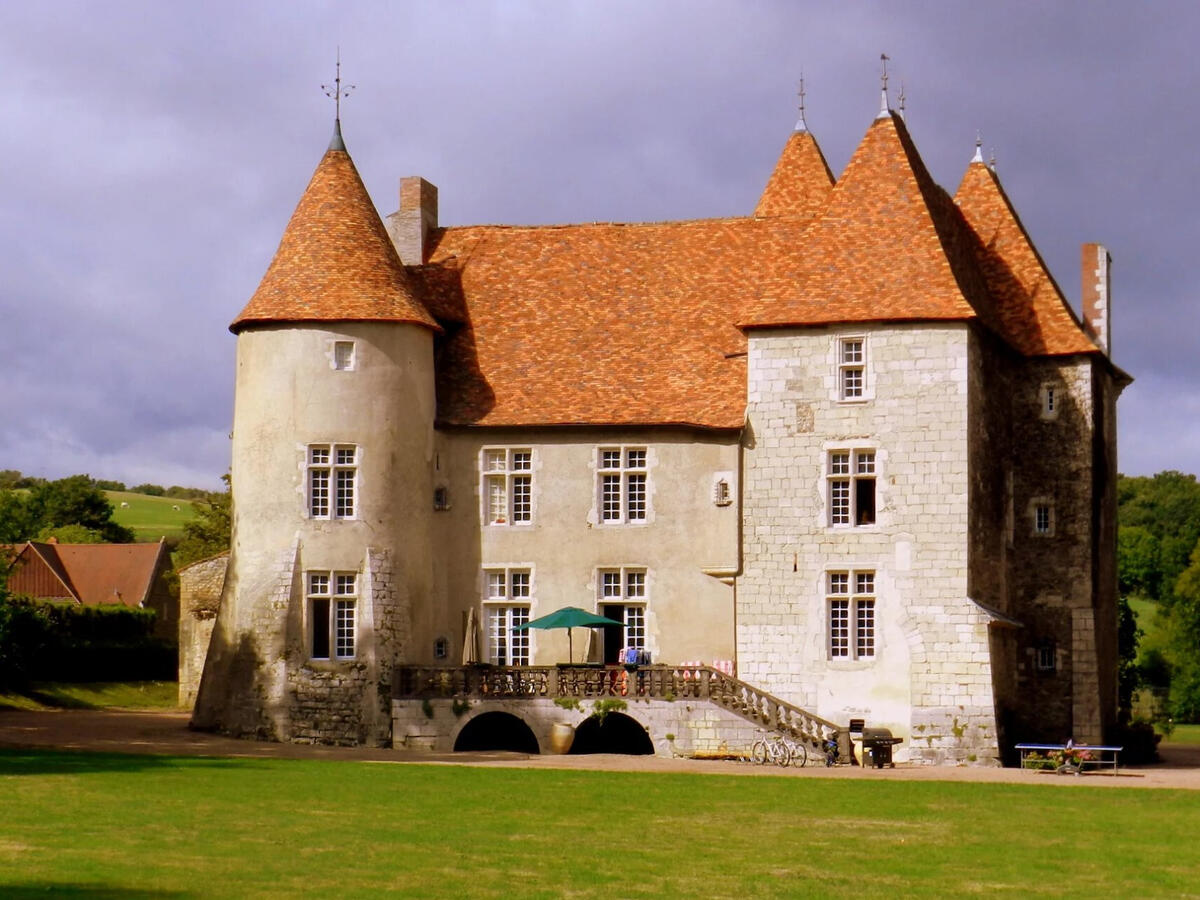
x,y
343,355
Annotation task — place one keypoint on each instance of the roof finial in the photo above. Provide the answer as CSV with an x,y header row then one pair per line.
x,y
337,92
992,160
801,125
883,103
901,99
978,157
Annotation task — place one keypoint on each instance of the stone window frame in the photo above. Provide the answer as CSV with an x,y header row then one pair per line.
x,y
1050,400
508,600
629,588
506,485
863,462
331,612
344,356
1045,657
853,376
851,614
1041,517
331,480
622,494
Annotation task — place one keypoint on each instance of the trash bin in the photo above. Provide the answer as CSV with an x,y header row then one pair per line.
x,y
877,744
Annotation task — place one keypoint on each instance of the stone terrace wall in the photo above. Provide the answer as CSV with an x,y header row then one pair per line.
x,y
200,586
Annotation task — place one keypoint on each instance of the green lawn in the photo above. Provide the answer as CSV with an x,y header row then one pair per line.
x,y
1146,612
95,695
150,517
139,826
1184,734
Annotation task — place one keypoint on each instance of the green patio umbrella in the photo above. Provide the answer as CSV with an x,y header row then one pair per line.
x,y
568,617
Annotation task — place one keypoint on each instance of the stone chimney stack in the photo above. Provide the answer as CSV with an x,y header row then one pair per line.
x,y
410,225
1097,295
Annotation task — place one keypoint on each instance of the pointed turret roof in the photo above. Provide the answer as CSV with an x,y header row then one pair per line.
x,y
890,246
1035,317
335,261
801,182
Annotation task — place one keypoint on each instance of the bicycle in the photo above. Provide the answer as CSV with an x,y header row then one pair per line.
x,y
779,749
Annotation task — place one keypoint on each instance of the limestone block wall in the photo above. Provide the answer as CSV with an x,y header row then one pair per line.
x,y
675,728
931,669
200,587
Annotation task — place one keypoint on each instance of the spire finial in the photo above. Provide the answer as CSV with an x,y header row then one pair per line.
x,y
992,160
978,157
883,103
901,98
337,92
801,125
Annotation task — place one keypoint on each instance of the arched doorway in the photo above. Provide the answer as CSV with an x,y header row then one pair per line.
x,y
497,731
615,733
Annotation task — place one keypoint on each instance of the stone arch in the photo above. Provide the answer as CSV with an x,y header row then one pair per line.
x,y
496,730
614,733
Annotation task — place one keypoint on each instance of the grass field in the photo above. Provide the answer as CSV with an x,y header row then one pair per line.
x,y
1147,619
95,695
150,517
139,826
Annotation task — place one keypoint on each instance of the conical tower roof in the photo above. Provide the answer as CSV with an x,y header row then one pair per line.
x,y
801,182
1035,317
335,261
890,246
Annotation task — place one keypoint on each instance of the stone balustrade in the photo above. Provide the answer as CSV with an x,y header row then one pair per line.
x,y
585,682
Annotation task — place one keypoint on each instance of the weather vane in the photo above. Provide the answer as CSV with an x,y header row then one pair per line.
x,y
337,92
801,125
883,100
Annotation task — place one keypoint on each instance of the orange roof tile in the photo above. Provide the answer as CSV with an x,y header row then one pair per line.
x,y
1036,318
889,246
801,182
103,573
335,261
602,324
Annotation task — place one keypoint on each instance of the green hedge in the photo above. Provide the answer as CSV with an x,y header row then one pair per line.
x,y
54,642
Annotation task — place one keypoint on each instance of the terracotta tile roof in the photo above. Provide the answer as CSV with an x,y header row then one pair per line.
x,y
601,324
1037,320
335,261
890,246
801,182
611,324
103,573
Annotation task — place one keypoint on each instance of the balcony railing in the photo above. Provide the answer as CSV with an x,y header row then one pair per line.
x,y
655,682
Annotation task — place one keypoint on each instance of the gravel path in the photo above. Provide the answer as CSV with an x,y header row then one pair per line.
x,y
159,731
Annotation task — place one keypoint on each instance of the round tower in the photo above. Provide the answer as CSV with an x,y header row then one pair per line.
x,y
332,484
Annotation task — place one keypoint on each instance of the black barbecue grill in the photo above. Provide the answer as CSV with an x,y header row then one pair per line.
x,y
877,745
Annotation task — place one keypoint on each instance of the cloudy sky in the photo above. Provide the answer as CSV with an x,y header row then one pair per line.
x,y
153,152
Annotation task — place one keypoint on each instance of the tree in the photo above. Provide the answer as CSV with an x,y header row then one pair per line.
x,y
57,504
70,534
77,501
1159,525
209,533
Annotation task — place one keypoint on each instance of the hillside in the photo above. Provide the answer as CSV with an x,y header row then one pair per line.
x,y
151,517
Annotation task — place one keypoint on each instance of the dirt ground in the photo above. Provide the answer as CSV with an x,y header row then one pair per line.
x,y
166,732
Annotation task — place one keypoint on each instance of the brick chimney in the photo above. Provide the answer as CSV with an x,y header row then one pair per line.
x,y
410,225
1096,270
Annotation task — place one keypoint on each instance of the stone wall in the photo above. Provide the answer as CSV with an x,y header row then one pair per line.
x,y
930,676
200,587
676,728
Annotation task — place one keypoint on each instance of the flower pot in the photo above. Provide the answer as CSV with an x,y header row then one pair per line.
x,y
562,735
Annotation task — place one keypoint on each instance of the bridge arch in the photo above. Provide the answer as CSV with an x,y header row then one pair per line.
x,y
614,733
496,730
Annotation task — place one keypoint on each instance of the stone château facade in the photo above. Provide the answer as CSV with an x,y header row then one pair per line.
x,y
857,445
